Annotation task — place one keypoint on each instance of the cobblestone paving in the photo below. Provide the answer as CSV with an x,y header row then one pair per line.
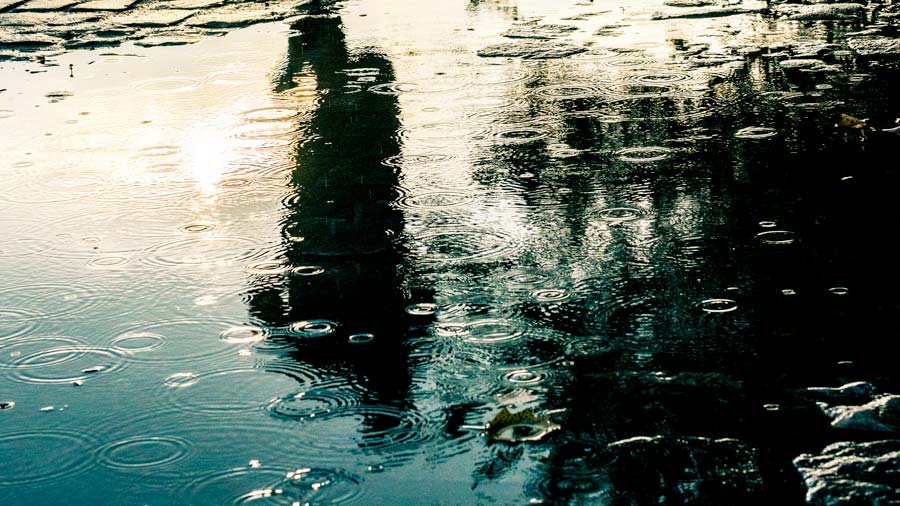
x,y
35,28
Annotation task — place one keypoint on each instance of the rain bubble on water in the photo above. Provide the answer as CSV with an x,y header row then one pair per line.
x,y
421,309
360,338
777,237
718,305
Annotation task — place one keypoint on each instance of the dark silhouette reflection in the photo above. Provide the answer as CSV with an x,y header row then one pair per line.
x,y
647,359
339,228
642,208
505,7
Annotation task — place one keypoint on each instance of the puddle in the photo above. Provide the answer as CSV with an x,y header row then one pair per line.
x,y
306,261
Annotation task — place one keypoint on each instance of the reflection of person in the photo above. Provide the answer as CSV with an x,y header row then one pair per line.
x,y
340,217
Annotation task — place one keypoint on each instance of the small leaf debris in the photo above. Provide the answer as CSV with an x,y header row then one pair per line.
x,y
519,427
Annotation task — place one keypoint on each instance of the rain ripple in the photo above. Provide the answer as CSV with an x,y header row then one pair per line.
x,y
143,452
15,322
436,200
408,160
583,481
68,299
310,329
620,214
569,91
455,245
230,487
550,295
422,309
309,486
174,341
399,432
51,455
393,88
657,77
268,133
521,377
166,84
70,186
525,279
266,485
718,305
269,114
225,391
66,364
643,154
204,251
777,237
108,262
486,331
318,401
756,133
520,134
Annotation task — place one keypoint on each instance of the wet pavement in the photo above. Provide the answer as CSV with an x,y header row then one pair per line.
x,y
49,26
473,252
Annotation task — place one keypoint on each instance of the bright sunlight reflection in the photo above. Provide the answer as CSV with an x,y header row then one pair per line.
x,y
208,153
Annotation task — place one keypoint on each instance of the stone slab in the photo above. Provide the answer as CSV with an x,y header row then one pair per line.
x,y
876,47
153,18
106,5
9,4
819,12
12,39
685,470
46,5
852,473
233,18
194,4
45,19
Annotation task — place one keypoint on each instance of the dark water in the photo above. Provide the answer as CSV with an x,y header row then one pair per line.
x,y
306,264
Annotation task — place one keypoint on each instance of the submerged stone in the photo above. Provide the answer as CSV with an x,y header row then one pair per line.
x,y
862,390
45,19
46,5
105,5
875,47
194,4
152,18
685,470
818,12
9,4
689,3
239,17
709,12
530,49
179,38
801,63
536,31
236,18
24,41
852,473
93,43
880,415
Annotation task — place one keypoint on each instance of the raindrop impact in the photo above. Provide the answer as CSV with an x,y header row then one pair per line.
x,y
718,305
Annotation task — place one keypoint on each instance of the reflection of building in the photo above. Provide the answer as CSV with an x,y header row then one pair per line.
x,y
339,226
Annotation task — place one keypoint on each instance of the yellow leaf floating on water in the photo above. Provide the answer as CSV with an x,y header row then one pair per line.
x,y
848,121
519,427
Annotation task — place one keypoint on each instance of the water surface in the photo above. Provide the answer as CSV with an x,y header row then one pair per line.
x,y
305,263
